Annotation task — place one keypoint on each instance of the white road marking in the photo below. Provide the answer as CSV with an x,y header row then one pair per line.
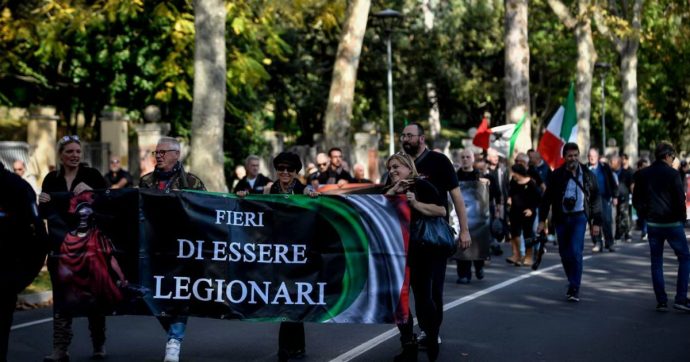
x,y
33,323
372,343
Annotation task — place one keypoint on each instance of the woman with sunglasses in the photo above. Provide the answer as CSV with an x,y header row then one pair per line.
x,y
291,342
427,265
72,176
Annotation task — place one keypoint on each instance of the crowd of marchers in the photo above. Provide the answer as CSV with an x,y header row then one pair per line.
x,y
531,205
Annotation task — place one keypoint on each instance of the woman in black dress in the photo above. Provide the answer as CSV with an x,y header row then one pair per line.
x,y
524,198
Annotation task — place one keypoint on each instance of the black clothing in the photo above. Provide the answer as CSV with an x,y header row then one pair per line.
x,y
553,197
361,181
291,334
23,244
625,180
658,195
259,183
495,196
425,193
111,178
436,168
543,170
55,180
502,178
333,176
523,197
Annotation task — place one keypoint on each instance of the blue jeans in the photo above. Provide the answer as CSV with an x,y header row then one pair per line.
x,y
571,243
676,238
177,326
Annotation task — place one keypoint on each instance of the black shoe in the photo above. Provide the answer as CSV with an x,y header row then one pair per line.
x,y
685,306
285,354
611,249
422,341
574,296
408,354
463,281
662,307
432,350
480,274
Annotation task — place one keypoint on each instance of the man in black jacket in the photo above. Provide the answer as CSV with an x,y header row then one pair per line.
x,y
254,182
24,246
659,198
573,197
608,191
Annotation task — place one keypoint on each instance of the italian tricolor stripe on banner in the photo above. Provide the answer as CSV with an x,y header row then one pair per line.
x,y
562,128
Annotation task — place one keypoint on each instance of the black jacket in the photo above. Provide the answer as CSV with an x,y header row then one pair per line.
x,y
610,182
553,197
258,188
658,195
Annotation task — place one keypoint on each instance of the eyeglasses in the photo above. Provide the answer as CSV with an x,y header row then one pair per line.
x,y
322,164
161,152
405,136
285,169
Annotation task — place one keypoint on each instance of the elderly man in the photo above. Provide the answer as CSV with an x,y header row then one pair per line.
x,y
608,191
254,182
170,175
358,170
19,168
467,172
116,177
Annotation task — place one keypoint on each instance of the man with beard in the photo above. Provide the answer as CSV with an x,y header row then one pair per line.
x,y
573,196
437,169
170,175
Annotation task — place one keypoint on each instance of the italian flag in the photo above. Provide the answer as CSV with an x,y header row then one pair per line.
x,y
562,128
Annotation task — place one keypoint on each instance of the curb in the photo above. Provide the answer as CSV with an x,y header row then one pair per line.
x,y
35,298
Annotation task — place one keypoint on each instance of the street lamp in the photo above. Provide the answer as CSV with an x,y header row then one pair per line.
x,y
605,70
389,19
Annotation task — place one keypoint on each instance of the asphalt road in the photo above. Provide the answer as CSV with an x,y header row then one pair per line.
x,y
513,314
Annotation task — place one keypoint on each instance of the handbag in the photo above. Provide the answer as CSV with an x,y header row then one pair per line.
x,y
434,232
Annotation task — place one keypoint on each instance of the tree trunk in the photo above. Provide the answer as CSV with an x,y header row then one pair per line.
x,y
517,70
587,55
434,113
208,108
341,95
583,85
629,85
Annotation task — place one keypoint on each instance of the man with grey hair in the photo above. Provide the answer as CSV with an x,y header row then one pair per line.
x,y
254,182
170,175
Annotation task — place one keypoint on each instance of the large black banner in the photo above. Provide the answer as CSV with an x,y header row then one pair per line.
x,y
264,258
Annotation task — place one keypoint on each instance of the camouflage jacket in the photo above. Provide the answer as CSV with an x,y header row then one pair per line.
x,y
180,181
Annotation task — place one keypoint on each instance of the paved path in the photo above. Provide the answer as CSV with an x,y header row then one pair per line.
x,y
514,314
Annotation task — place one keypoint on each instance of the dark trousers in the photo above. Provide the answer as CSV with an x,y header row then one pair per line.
x,y
7,305
623,220
465,267
62,330
291,336
427,276
607,224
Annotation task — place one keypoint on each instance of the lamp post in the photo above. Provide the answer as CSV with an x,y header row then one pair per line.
x,y
389,18
605,69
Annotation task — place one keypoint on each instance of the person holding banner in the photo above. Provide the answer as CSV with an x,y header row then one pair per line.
x,y
73,176
291,343
427,266
171,175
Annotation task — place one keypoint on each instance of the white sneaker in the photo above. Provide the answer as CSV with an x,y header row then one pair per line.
x,y
172,351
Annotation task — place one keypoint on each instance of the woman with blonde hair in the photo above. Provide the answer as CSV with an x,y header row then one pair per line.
x,y
427,264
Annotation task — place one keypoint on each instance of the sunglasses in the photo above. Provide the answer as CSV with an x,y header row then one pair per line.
x,y
323,164
66,139
285,169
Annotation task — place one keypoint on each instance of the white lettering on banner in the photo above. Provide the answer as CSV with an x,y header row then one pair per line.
x,y
239,291
245,252
240,218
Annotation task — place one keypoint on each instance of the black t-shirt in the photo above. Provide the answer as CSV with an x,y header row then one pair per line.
x,y
111,178
55,180
436,168
426,193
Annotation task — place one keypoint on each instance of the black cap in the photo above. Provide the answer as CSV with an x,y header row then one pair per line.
x,y
288,159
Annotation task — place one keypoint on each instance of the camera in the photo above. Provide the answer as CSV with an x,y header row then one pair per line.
x,y
569,203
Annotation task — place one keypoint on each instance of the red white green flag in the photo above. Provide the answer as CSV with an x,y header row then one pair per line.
x,y
562,128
